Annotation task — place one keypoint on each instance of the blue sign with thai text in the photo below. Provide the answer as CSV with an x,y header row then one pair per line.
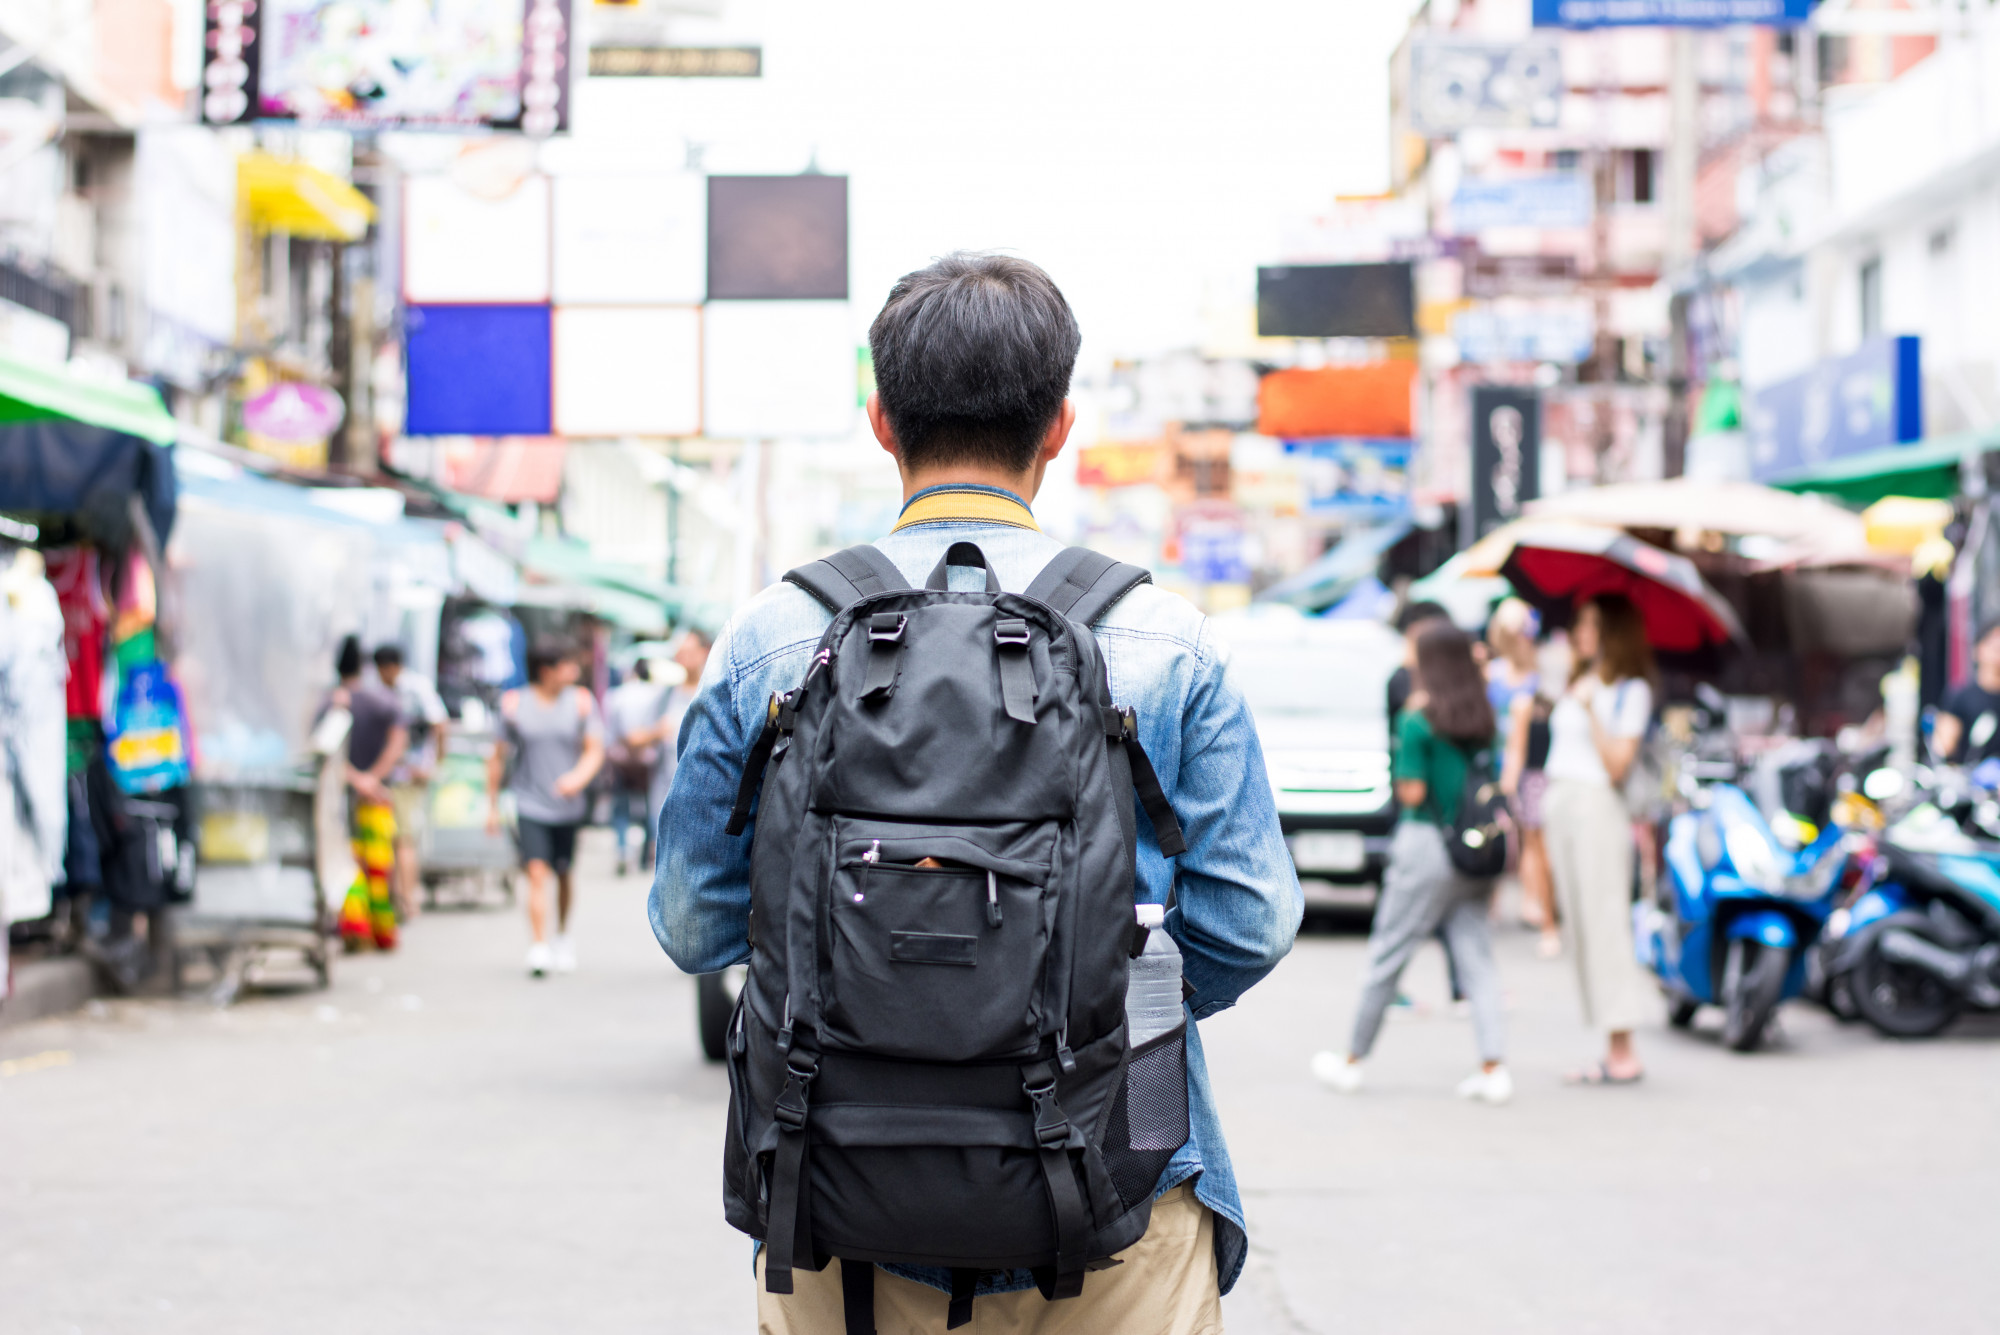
x,y
1867,400
1669,13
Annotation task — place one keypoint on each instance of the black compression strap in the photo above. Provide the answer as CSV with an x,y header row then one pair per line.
x,y
1146,783
846,577
788,1227
964,1283
1083,585
885,640
753,771
857,1296
1017,669
1053,1134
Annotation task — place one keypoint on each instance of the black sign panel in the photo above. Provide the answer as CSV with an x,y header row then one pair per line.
x,y
777,238
1506,453
1337,301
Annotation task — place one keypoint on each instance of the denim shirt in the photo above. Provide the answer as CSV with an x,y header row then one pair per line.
x,y
1237,898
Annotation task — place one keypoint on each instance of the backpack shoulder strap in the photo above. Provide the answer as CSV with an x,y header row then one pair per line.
x,y
1083,585
846,577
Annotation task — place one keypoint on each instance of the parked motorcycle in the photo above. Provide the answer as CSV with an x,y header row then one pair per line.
x,y
1921,943
1743,911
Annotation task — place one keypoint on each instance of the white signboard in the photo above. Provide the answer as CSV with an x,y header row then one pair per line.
x,y
778,369
459,246
631,240
627,371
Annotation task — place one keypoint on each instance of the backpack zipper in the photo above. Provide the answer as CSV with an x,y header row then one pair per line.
x,y
992,900
874,853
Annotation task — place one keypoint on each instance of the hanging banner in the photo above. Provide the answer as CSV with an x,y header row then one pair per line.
x,y
1457,83
1506,453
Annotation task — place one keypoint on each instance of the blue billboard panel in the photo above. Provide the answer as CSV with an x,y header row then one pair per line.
x,y
1847,405
1557,199
1354,477
478,371
1669,13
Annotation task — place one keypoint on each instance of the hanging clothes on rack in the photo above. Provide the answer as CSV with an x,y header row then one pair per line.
x,y
34,797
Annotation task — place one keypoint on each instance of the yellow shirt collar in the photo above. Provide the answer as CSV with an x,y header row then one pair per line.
x,y
966,503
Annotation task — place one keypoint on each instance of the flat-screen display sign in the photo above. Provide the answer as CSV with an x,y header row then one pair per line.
x,y
777,238
1337,301
388,64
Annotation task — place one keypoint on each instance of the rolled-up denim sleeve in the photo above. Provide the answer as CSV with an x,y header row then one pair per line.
x,y
1236,893
700,904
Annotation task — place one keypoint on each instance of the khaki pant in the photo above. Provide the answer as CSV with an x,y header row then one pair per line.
x,y
1166,1286
1589,837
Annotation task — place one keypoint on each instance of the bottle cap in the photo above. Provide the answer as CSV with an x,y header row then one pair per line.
x,y
1150,915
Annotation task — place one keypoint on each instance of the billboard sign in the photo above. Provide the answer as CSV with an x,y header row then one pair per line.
x,y
1526,330
1457,84
1506,453
1669,13
1337,301
1867,400
1555,199
777,238
383,64
1354,478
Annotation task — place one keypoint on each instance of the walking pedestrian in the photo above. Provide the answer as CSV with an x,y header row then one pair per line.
x,y
425,718
1514,684
1967,726
1594,736
973,357
1443,731
556,742
631,707
662,731
376,740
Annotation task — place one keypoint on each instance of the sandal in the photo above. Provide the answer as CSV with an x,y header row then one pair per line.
x,y
1597,1073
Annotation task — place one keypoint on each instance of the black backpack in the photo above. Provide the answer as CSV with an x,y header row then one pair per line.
x,y
1476,839
928,1064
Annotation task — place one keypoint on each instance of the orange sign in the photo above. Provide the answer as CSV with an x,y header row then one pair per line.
x,y
1119,464
1369,399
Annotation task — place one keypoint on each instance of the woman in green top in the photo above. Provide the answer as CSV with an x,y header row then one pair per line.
x,y
1447,723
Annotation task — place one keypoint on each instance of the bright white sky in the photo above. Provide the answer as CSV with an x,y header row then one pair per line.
x,y
1149,155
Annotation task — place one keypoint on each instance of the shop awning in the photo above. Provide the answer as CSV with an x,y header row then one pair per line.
x,y
1926,468
297,198
81,448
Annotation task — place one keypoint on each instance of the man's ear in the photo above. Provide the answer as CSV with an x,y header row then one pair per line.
x,y
878,421
1058,433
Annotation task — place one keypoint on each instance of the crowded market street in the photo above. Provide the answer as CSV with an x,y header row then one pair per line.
x,y
439,1143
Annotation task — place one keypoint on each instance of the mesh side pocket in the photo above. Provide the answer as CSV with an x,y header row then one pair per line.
x,y
1149,1118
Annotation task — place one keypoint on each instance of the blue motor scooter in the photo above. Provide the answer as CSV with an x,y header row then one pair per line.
x,y
1921,942
1743,912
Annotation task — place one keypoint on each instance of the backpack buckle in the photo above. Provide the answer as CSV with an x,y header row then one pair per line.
x,y
886,627
1051,1127
790,1109
1011,632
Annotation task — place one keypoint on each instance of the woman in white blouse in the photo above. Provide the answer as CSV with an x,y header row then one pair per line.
x,y
1595,732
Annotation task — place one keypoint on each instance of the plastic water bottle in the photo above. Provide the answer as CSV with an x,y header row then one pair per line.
x,y
1153,986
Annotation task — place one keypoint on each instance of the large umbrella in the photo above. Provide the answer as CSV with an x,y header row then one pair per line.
x,y
1718,507
1560,566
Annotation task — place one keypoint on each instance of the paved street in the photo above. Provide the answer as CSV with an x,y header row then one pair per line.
x,y
441,1145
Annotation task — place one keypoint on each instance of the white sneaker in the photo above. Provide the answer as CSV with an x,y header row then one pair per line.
x,y
1494,1086
538,959
565,955
1333,1070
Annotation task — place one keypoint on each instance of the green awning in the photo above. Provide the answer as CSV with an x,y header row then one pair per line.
x,y
32,392
1927,468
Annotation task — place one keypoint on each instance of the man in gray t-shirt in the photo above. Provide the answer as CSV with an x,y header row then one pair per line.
x,y
557,742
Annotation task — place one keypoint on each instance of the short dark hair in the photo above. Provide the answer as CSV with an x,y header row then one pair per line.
x,y
348,661
1415,614
388,655
973,356
642,670
546,653
1455,691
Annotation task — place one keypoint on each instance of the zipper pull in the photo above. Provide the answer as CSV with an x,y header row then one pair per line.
x,y
992,900
874,853
1063,1057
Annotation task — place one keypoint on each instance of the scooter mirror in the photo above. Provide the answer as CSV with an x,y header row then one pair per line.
x,y
1883,784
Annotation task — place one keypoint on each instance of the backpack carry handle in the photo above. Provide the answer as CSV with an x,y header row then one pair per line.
x,y
961,554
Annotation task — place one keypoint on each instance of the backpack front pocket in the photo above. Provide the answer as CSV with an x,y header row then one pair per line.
x,y
937,941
